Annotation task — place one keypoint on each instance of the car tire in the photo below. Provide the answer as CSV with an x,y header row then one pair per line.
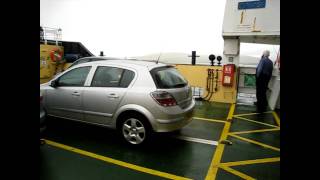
x,y
135,130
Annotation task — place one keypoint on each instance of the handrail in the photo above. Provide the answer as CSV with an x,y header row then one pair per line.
x,y
47,33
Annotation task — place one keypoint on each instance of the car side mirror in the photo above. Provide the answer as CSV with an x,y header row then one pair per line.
x,y
54,83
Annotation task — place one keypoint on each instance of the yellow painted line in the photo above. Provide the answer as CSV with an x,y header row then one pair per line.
x,y
255,131
255,142
231,111
276,117
255,161
211,120
250,120
117,162
247,114
237,173
213,169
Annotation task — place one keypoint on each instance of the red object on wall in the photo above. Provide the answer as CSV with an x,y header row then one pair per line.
x,y
228,74
56,55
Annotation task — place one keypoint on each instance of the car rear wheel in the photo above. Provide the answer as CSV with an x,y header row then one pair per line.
x,y
135,130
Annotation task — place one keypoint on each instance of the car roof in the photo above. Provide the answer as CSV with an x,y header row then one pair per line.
x,y
126,62
97,57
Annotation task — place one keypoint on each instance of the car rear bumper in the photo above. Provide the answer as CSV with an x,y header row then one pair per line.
x,y
176,123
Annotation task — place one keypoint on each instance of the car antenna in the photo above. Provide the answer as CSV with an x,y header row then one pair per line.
x,y
158,58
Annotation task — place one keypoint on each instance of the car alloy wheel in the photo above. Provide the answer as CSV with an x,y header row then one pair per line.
x,y
134,131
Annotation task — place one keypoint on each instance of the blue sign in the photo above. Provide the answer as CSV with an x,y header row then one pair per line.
x,y
252,4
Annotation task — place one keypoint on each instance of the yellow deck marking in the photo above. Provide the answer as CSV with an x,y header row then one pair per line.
x,y
276,117
237,173
114,161
255,161
255,142
231,111
211,120
247,114
250,120
213,169
255,131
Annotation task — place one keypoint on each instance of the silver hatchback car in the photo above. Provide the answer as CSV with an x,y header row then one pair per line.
x,y
135,97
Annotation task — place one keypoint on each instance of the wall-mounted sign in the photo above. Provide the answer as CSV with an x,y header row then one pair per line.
x,y
249,80
252,4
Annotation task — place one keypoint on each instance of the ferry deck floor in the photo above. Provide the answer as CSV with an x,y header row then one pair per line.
x,y
224,141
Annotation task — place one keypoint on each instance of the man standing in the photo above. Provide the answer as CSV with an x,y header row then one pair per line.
x,y
263,76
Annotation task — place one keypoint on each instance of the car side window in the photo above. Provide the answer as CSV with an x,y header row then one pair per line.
x,y
75,77
111,77
127,77
107,77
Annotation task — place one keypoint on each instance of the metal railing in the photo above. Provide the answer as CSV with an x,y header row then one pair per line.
x,y
53,34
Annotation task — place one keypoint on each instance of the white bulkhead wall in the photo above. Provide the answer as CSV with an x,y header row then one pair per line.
x,y
256,21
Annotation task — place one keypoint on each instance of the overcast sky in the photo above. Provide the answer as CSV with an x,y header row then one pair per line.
x,y
125,28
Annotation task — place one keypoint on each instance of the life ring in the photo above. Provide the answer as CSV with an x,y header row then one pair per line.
x,y
56,55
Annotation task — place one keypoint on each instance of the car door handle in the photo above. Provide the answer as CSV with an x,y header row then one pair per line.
x,y
76,93
113,95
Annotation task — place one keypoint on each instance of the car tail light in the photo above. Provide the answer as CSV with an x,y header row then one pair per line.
x,y
164,98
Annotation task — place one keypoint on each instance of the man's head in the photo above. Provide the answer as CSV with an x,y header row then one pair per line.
x,y
266,53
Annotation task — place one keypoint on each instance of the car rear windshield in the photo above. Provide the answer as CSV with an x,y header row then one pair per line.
x,y
168,77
